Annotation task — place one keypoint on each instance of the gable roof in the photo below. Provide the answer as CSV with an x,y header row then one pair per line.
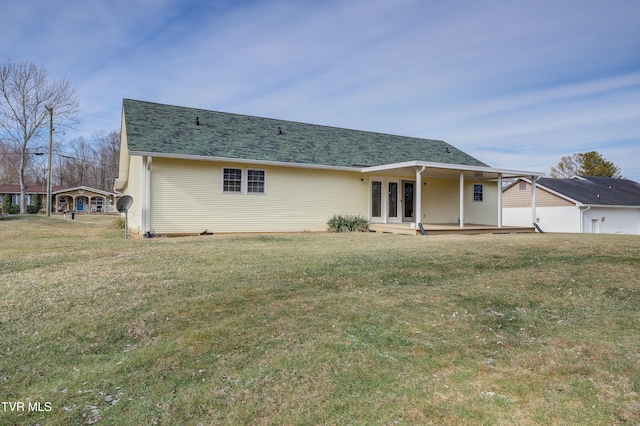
x,y
166,130
589,190
62,190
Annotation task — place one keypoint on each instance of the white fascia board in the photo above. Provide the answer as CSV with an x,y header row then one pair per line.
x,y
505,172
86,188
607,206
385,167
245,161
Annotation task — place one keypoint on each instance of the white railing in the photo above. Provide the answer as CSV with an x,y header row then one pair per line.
x,y
110,208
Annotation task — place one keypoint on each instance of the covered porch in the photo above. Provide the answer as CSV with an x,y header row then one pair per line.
x,y
84,199
440,198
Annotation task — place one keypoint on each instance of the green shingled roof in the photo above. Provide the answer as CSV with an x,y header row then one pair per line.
x,y
166,129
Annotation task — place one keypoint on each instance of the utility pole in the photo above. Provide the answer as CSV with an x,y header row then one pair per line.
x,y
50,109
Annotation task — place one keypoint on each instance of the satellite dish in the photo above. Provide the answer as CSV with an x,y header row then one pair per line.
x,y
124,203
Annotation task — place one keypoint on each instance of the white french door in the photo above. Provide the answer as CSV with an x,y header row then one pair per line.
x,y
394,204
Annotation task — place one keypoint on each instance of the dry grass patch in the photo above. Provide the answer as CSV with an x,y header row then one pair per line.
x,y
317,328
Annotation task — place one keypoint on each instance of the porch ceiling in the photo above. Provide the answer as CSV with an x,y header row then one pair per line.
x,y
448,171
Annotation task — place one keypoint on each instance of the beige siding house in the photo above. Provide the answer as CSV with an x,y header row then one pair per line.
x,y
192,171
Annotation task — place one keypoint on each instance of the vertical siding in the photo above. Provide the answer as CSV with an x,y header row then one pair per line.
x,y
616,220
516,216
550,219
187,197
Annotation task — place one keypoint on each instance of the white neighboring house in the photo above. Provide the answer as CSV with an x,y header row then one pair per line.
x,y
581,204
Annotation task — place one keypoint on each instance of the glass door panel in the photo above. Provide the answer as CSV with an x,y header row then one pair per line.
x,y
408,206
376,199
393,199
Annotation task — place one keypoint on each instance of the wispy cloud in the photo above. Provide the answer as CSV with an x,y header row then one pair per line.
x,y
517,84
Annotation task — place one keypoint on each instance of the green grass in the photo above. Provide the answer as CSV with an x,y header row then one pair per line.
x,y
316,328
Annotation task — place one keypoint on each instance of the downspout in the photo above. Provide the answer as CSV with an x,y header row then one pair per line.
x,y
146,222
461,220
499,200
419,196
533,200
582,218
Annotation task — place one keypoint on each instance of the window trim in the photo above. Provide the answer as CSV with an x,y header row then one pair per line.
x,y
481,193
264,182
223,181
244,180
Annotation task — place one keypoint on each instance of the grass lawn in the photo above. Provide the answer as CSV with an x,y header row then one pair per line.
x,y
315,328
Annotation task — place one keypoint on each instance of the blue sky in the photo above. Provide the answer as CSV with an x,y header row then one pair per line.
x,y
517,84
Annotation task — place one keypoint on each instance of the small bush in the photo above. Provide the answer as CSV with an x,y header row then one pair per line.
x,y
31,209
6,203
36,201
348,223
118,222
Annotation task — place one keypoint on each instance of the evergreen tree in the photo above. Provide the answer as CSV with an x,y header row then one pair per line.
x,y
594,164
6,203
590,163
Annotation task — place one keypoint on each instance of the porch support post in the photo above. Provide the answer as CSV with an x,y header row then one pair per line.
x,y
418,196
533,199
499,200
461,199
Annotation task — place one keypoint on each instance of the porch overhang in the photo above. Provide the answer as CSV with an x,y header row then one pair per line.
x,y
416,171
450,171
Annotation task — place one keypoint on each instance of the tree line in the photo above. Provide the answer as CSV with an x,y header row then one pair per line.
x,y
90,162
31,106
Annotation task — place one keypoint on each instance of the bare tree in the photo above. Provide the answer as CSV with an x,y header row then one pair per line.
x,y
8,166
27,97
81,163
568,166
108,156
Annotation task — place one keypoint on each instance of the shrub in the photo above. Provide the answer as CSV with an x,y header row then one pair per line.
x,y
31,209
118,222
36,201
347,223
6,203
